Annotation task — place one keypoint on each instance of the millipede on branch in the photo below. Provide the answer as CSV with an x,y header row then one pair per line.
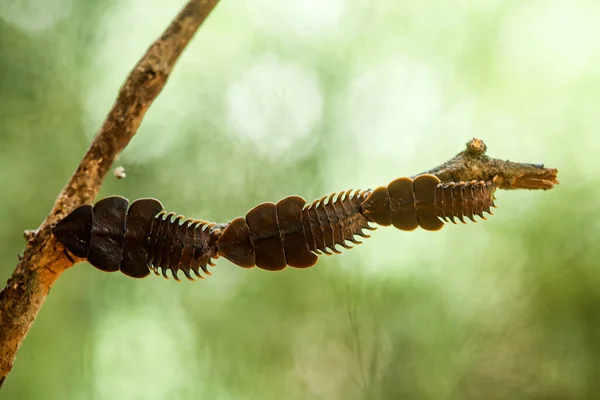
x,y
144,237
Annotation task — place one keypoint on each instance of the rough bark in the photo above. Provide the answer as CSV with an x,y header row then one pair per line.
x,y
44,259
474,164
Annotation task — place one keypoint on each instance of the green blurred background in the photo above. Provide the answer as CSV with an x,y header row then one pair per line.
x,y
274,98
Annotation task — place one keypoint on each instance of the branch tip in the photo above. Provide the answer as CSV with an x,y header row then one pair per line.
x,y
474,164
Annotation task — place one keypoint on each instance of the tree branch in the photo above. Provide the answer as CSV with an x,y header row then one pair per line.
x,y
44,259
473,164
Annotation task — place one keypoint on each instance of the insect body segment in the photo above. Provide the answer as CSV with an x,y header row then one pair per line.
x,y
140,219
426,202
177,245
273,236
464,199
134,241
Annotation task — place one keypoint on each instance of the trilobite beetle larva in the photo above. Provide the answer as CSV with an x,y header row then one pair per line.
x,y
144,237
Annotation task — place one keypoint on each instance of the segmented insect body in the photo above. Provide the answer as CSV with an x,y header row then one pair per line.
x,y
179,244
408,204
137,240
271,236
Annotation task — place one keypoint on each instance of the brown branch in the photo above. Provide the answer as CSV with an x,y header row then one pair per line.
x,y
473,164
44,259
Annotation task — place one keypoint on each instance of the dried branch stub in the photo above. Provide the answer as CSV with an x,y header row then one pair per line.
x,y
535,177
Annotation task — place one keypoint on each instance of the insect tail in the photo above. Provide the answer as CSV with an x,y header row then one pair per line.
x,y
186,245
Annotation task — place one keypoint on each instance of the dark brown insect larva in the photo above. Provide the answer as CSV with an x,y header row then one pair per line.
x,y
271,236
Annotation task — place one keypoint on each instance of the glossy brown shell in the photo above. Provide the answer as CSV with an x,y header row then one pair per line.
x,y
426,202
273,236
178,244
139,239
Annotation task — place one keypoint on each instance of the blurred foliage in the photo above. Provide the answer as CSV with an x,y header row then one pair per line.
x,y
276,98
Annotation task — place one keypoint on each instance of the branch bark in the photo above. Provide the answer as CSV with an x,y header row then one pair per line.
x,y
44,259
474,164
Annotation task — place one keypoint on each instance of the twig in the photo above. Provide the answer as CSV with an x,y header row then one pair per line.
x,y
44,259
473,164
